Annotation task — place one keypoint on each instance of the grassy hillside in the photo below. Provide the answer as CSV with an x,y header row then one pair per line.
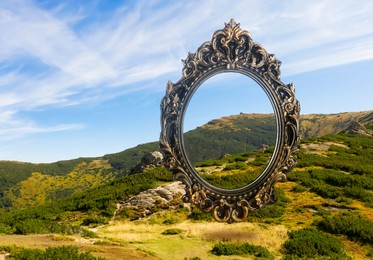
x,y
230,135
325,211
321,124
242,133
26,184
248,132
12,172
129,158
40,188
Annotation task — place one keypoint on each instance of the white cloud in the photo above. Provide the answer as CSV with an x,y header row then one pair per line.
x,y
12,127
82,63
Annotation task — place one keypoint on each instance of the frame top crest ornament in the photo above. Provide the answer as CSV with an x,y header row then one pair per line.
x,y
231,49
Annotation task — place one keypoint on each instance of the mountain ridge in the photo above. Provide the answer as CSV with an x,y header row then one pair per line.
x,y
207,138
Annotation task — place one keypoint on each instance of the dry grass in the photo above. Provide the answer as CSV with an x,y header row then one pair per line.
x,y
199,236
299,212
367,212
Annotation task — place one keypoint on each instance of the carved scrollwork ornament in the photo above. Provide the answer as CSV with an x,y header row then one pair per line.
x,y
230,50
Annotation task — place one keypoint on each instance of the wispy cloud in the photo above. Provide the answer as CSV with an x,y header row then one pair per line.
x,y
50,58
13,128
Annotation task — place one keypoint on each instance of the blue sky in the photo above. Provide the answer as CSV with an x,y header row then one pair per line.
x,y
85,78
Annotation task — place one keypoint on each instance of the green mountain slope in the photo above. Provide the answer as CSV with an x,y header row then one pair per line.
x,y
249,132
40,188
228,135
320,124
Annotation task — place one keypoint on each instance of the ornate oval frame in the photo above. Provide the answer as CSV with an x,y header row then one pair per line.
x,y
230,50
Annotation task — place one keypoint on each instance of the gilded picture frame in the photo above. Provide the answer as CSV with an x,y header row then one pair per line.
x,y
231,49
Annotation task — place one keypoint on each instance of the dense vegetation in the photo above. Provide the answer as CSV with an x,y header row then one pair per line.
x,y
12,173
355,227
311,243
99,202
341,171
241,249
234,171
56,253
15,174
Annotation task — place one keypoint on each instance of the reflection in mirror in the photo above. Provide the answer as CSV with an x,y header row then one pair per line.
x,y
229,130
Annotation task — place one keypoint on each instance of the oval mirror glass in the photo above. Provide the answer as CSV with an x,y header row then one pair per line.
x,y
229,130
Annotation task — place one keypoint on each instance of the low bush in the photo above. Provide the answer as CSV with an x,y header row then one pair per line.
x,y
239,165
276,210
271,211
6,229
8,249
88,233
172,231
56,253
299,188
370,252
94,221
40,226
354,227
208,163
241,249
199,215
311,243
130,213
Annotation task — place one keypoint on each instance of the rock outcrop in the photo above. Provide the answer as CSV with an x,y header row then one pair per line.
x,y
163,197
148,161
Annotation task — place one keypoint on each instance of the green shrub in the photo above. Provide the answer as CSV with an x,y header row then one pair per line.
x,y
6,229
271,211
42,226
354,227
32,226
28,254
171,221
343,200
197,214
208,163
130,213
327,191
8,249
299,188
94,220
55,253
276,210
370,252
241,249
172,231
88,233
311,243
